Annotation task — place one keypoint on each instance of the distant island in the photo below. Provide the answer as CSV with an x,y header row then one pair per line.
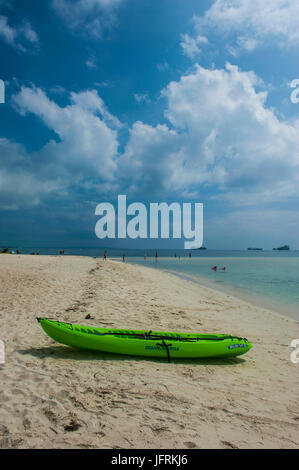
x,y
202,248
282,248
255,249
6,251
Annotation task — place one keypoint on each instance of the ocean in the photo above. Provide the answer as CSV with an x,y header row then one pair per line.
x,y
267,278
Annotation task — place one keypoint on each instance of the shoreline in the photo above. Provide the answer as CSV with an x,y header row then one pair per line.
x,y
52,396
257,300
261,303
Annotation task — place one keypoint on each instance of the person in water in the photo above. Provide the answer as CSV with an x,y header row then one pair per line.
x,y
124,258
214,268
156,256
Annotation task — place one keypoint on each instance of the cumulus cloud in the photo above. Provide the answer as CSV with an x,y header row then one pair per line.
x,y
220,135
81,126
250,23
84,153
91,101
20,182
21,37
235,141
219,138
150,159
89,16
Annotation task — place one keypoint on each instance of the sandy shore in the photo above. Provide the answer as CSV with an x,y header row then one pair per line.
x,y
54,397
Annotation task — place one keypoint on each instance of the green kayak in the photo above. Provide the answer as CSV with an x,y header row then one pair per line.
x,y
145,343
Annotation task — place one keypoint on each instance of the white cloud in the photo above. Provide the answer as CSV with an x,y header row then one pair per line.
x,y
29,33
103,84
22,37
190,45
20,182
85,150
58,90
89,16
222,136
142,98
87,143
235,141
90,100
254,21
6,31
91,62
149,159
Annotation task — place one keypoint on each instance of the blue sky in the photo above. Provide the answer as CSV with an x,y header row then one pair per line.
x,y
161,100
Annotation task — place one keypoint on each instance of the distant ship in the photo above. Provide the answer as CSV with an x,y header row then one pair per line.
x,y
202,248
282,248
255,249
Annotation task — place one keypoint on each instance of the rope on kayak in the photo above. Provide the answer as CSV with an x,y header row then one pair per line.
x,y
173,338
167,348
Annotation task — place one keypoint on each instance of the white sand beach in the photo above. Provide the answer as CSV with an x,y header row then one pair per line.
x,y
52,396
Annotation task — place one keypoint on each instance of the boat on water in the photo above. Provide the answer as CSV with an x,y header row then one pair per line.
x,y
255,249
145,342
282,248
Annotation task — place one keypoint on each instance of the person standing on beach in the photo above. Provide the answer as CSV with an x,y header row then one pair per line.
x,y
144,256
124,258
156,256
105,255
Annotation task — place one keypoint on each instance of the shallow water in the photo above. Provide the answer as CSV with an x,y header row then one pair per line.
x,y
272,282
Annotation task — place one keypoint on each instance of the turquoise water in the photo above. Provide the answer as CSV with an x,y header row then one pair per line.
x,y
270,281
